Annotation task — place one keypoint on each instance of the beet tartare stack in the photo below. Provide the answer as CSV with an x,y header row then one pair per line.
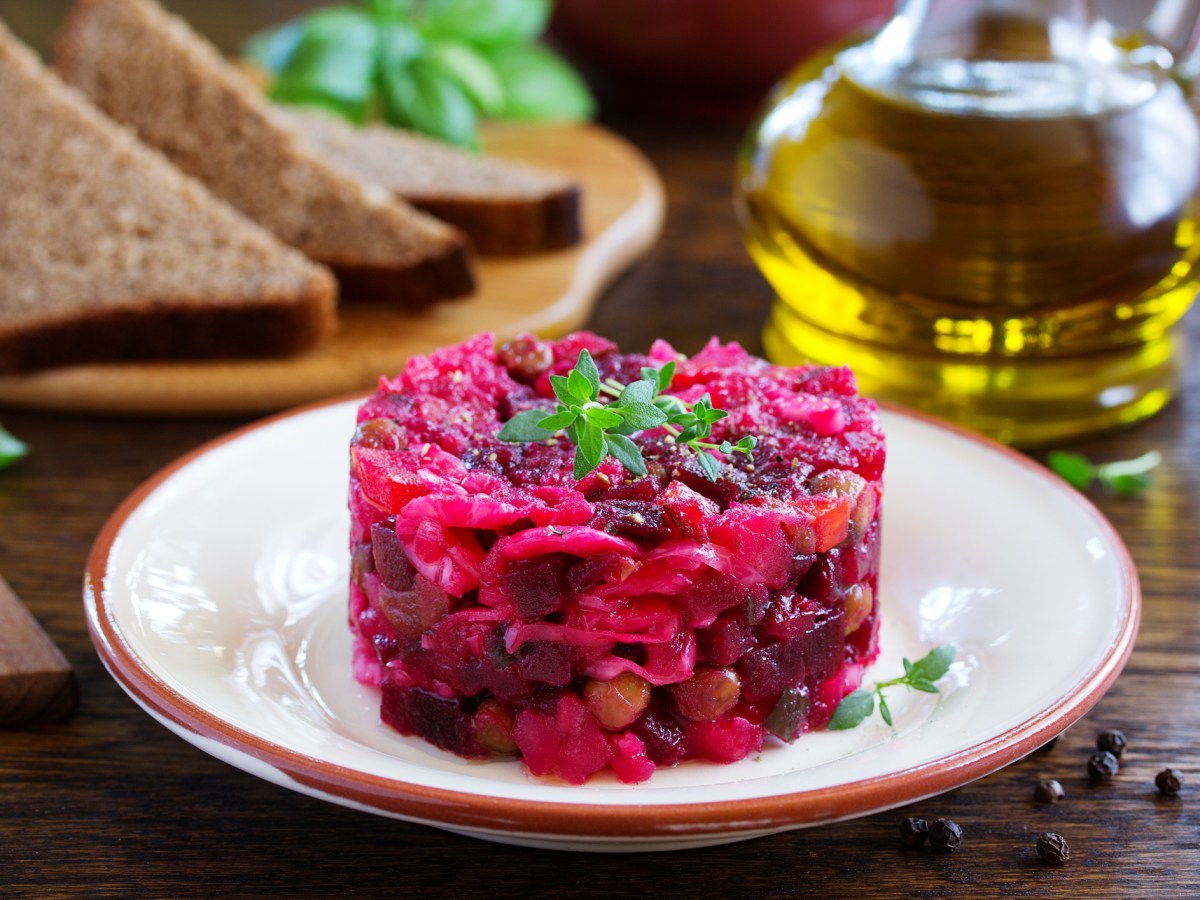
x,y
506,608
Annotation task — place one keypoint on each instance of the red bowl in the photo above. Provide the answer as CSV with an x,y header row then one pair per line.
x,y
725,51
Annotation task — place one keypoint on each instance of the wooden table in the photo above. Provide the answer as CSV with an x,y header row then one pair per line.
x,y
111,804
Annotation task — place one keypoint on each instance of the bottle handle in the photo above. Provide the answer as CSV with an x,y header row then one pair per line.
x,y
1174,25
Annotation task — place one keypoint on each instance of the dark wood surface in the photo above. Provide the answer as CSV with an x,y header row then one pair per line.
x,y
111,804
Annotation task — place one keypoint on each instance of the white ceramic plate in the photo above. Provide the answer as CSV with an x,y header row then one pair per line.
x,y
216,597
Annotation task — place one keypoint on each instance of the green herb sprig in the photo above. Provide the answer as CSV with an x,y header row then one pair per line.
x,y
601,429
919,676
1124,476
11,449
434,66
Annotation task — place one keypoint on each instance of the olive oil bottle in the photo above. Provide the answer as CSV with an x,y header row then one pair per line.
x,y
989,211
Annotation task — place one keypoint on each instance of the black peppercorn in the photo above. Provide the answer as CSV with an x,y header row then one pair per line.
x,y
1112,741
1102,766
1048,791
945,835
1169,782
913,831
1053,848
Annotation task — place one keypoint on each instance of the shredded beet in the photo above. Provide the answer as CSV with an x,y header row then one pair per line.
x,y
504,608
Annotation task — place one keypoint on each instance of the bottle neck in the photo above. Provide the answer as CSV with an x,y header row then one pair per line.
x,y
998,58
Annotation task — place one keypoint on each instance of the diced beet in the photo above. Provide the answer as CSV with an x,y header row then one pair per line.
x,y
662,734
729,637
534,586
548,662
438,720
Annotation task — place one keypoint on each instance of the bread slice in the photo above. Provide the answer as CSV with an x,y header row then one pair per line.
x,y
148,69
108,252
505,208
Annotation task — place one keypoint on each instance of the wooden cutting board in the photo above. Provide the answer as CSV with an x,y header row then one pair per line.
x,y
550,294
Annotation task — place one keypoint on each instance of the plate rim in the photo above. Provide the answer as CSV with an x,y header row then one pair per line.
x,y
444,807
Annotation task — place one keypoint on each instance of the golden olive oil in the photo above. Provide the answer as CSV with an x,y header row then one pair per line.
x,y
1018,268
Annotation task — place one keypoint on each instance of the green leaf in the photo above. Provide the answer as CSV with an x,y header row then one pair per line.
x,y
561,385
643,416
11,449
638,392
420,96
1074,468
665,375
604,418
590,450
271,49
852,710
710,466
935,663
333,63
627,453
390,10
580,386
539,85
399,44
920,684
908,667
487,22
559,420
884,710
472,70
746,444
591,443
1129,476
524,426
586,366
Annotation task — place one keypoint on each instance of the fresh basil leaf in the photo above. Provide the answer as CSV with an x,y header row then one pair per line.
x,y
627,453
539,85
935,663
710,466
586,366
420,96
852,710
643,415
399,44
271,49
11,449
1074,468
603,417
487,22
333,63
524,426
390,10
472,70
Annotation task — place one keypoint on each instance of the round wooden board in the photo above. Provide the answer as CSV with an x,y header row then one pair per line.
x,y
550,294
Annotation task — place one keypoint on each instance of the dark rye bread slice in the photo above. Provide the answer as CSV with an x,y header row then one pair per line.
x,y
505,208
108,252
149,70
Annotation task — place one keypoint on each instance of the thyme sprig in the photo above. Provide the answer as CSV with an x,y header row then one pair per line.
x,y
1123,476
599,429
919,676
